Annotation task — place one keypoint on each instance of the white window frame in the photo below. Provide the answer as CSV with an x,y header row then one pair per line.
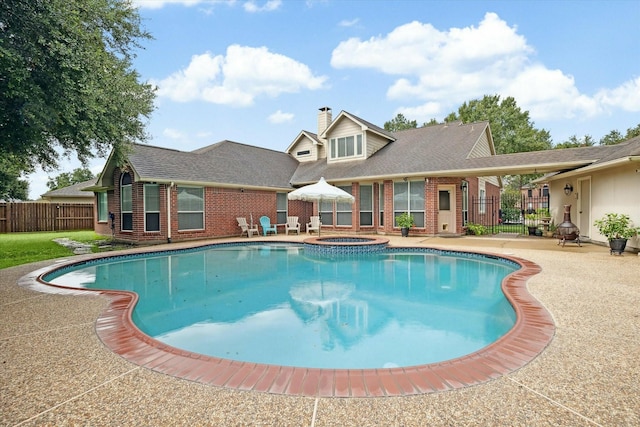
x,y
414,205
148,210
126,201
185,211
346,147
344,210
367,212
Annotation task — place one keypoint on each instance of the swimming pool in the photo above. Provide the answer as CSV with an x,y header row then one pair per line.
x,y
310,297
277,304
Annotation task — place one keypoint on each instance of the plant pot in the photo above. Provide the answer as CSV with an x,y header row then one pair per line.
x,y
617,246
404,231
532,230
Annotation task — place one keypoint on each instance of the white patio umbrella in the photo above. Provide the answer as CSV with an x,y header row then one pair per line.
x,y
320,192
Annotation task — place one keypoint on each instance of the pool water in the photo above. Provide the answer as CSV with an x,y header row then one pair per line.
x,y
274,304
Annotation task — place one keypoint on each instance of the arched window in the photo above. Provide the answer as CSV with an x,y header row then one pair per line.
x,y
126,202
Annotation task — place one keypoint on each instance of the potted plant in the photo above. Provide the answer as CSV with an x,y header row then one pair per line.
x,y
531,221
404,221
617,228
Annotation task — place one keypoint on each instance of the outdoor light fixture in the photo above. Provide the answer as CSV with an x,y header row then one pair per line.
x,y
568,189
463,185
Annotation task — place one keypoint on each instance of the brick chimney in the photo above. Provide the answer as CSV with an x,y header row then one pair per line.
x,y
324,119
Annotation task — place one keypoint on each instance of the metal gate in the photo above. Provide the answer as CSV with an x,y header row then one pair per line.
x,y
509,213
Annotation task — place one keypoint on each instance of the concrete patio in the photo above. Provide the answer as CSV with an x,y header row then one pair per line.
x,y
55,370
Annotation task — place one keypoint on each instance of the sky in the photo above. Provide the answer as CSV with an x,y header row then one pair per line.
x,y
257,71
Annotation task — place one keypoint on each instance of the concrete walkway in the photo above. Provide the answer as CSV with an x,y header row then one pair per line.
x,y
55,370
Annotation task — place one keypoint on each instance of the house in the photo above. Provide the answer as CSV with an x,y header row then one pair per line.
x,y
164,194
431,172
71,194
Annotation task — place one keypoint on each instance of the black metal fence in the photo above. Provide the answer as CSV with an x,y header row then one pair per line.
x,y
509,213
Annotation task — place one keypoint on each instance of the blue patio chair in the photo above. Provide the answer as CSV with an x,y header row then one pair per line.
x,y
265,222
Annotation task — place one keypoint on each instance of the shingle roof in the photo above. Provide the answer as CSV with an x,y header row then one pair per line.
x,y
74,190
429,150
225,162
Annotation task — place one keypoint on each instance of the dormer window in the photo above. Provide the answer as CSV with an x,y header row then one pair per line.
x,y
345,147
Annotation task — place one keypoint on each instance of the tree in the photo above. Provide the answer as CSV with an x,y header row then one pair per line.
x,y
574,142
66,179
612,138
400,122
66,80
633,132
512,129
11,186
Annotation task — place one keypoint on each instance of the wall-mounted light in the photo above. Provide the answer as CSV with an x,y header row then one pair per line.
x,y
242,190
568,189
463,185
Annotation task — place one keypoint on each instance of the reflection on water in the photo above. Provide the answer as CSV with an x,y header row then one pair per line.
x,y
273,304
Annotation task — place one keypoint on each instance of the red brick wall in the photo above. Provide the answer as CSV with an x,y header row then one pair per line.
x,y
223,205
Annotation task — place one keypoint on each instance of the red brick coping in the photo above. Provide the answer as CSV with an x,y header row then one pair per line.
x,y
532,332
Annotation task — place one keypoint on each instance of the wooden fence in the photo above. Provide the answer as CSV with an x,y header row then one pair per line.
x,y
38,216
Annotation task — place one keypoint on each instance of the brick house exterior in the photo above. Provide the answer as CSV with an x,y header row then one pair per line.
x,y
171,195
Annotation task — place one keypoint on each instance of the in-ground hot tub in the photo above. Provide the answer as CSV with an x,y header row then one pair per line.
x,y
330,245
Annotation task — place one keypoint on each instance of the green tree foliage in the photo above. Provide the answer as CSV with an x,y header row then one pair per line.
x,y
66,179
612,138
66,80
633,132
400,122
11,186
512,129
574,142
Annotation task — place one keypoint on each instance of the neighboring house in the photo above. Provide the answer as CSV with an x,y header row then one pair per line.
x,y
169,195
71,194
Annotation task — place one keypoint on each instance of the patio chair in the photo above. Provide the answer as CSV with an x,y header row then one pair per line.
x,y
267,227
313,225
250,230
292,225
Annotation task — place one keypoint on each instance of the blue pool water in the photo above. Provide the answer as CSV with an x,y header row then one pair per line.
x,y
274,304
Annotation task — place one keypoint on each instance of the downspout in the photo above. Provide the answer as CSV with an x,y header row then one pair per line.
x,y
169,187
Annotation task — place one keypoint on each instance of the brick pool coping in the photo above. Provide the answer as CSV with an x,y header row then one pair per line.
x,y
532,332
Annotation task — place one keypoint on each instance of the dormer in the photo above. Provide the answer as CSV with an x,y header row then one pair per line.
x,y
306,147
351,138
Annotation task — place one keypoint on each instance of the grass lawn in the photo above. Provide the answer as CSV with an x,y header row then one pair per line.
x,y
23,248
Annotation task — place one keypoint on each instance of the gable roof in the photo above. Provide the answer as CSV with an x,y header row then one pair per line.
x,y
427,151
365,125
224,164
310,135
74,190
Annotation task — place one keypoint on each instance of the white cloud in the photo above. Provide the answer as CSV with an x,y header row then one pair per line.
x,y
351,23
280,117
625,96
442,69
271,5
173,134
159,4
238,78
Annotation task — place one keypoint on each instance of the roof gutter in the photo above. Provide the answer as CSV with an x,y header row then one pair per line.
x,y
594,167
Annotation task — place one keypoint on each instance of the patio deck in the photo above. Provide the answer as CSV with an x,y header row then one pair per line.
x,y
56,371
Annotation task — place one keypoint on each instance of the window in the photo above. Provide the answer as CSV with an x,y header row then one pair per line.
x,y
303,153
343,209
483,197
281,208
409,197
103,208
126,203
190,208
349,146
381,204
366,205
151,207
326,213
